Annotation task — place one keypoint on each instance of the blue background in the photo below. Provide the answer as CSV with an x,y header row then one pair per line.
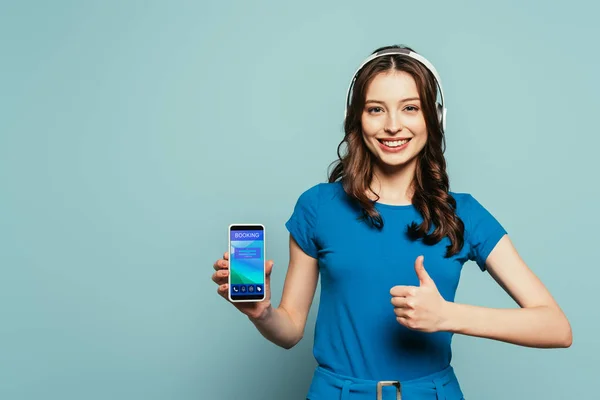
x,y
125,132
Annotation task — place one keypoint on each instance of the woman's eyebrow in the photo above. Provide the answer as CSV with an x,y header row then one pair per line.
x,y
400,101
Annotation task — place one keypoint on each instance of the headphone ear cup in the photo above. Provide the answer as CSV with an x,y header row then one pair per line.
x,y
440,112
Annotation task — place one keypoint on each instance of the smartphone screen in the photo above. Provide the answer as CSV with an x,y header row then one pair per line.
x,y
246,262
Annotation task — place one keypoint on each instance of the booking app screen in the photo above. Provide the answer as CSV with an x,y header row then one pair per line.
x,y
246,263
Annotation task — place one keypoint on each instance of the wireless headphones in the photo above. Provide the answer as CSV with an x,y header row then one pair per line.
x,y
440,108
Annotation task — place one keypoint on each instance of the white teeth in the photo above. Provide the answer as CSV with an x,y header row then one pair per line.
x,y
395,143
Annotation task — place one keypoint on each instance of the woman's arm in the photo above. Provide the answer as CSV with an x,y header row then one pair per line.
x,y
538,323
285,324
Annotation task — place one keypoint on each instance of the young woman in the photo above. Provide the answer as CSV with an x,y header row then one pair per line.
x,y
388,240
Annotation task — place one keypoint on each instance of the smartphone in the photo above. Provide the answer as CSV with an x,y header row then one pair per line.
x,y
246,262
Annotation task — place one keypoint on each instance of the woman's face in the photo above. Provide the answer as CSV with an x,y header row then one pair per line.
x,y
392,120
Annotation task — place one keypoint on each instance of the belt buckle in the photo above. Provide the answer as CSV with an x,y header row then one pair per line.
x,y
381,384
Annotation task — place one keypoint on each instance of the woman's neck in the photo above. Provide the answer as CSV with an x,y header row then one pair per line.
x,y
393,186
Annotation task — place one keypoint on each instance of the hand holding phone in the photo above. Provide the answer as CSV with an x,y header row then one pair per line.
x,y
242,274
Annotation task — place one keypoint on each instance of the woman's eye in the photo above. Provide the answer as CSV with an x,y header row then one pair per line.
x,y
411,108
372,109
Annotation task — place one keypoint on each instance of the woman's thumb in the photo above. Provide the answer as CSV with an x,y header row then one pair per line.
x,y
268,267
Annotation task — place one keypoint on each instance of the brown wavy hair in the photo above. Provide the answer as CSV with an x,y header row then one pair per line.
x,y
430,184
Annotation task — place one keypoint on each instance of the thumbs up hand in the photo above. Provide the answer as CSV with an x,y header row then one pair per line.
x,y
422,307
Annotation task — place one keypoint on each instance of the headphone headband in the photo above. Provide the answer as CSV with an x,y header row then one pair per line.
x,y
404,52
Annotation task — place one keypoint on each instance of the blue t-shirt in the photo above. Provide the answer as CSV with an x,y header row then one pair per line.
x,y
356,331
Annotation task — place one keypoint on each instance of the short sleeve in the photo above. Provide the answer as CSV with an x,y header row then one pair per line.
x,y
484,232
303,222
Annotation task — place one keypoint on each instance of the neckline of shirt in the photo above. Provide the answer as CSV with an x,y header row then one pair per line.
x,y
383,206
394,206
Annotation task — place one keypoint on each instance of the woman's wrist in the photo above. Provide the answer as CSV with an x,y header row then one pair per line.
x,y
264,315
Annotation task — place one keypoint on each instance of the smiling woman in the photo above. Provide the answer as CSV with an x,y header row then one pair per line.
x,y
389,239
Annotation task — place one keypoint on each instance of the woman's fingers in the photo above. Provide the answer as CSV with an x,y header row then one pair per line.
x,y
221,264
404,312
220,276
222,290
402,302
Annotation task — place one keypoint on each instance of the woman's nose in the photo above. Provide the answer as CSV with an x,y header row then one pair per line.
x,y
393,125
